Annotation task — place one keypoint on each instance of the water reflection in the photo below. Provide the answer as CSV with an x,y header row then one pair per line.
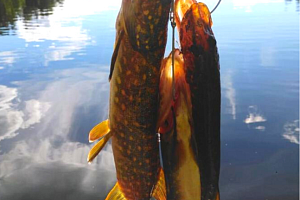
x,y
253,116
12,119
10,10
230,92
7,58
291,131
48,136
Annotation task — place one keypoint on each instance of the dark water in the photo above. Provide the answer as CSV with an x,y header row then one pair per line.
x,y
54,63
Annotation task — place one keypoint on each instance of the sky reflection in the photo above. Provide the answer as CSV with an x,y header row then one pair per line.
x,y
230,92
43,140
291,131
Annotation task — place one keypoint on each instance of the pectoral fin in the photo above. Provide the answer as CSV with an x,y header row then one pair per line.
x,y
159,190
115,53
98,147
115,194
99,131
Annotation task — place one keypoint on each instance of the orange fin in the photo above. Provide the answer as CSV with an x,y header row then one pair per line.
x,y
98,147
218,196
99,131
159,190
115,194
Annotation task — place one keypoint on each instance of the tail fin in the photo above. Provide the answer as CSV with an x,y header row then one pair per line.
x,y
159,190
115,193
218,196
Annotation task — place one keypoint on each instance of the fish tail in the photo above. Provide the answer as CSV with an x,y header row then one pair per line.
x,y
115,193
158,192
218,196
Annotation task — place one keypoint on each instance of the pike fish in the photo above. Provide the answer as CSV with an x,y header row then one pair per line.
x,y
179,152
141,33
201,63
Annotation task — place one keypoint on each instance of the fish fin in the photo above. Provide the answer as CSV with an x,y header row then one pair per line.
x,y
115,193
218,196
159,190
99,131
98,147
115,53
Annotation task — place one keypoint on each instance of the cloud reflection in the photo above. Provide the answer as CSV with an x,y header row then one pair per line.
x,y
64,26
49,148
230,92
55,27
7,58
267,55
291,131
253,116
12,119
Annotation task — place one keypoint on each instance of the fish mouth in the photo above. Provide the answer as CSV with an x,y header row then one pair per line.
x,y
181,7
184,6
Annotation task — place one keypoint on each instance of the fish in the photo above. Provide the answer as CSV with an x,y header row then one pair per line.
x,y
202,68
178,145
141,35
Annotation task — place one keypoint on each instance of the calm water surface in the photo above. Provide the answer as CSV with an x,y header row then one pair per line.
x,y
54,63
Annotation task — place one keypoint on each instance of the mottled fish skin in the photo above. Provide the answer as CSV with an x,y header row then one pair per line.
x,y
134,94
179,153
201,61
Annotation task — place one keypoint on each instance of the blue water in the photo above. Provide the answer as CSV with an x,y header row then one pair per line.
x,y
54,64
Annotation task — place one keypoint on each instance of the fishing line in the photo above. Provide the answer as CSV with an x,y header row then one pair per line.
x,y
173,24
215,7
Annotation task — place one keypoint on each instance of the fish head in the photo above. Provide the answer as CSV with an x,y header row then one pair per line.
x,y
181,7
195,29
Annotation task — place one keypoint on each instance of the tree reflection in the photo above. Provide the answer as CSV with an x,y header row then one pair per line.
x,y
11,10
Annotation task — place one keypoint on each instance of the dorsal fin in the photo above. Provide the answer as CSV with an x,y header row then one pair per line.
x,y
115,53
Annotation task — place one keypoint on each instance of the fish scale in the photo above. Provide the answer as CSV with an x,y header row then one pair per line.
x,y
133,163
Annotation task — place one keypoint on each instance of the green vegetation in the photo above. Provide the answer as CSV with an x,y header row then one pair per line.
x,y
10,10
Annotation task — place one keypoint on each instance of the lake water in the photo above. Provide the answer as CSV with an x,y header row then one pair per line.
x,y
54,64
